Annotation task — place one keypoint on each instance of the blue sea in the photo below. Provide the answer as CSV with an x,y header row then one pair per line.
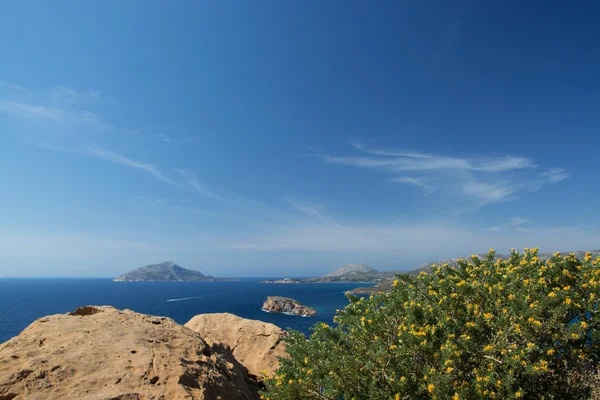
x,y
24,300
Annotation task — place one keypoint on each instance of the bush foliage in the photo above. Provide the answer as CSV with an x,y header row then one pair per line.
x,y
517,328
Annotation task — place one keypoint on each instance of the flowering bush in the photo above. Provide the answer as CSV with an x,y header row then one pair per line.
x,y
517,328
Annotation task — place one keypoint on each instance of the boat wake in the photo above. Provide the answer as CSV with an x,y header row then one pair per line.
x,y
197,297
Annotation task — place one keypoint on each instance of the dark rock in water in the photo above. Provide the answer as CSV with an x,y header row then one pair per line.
x,y
284,305
166,271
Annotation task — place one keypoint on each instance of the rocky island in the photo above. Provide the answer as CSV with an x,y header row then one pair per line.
x,y
167,271
349,273
285,305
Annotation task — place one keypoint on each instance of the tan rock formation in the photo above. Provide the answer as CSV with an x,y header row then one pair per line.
x,y
285,305
255,344
102,353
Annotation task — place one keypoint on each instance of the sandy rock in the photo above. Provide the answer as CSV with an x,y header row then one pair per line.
x,y
255,344
102,353
285,305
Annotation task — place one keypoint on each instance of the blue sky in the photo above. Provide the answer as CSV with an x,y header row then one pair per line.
x,y
280,139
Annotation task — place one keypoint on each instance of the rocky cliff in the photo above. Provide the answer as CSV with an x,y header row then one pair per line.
x,y
285,305
102,353
255,344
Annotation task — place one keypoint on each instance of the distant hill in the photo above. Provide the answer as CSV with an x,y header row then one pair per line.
x,y
347,273
386,284
354,269
167,271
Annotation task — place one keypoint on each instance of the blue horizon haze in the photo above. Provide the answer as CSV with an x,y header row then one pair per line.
x,y
279,139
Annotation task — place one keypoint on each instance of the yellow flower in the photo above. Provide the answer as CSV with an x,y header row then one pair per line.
x,y
487,316
567,301
396,284
309,372
290,381
518,394
511,296
305,360
402,379
430,387
397,396
550,352
449,370
574,335
551,294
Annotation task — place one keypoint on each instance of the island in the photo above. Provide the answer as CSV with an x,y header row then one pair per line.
x,y
166,271
349,273
285,305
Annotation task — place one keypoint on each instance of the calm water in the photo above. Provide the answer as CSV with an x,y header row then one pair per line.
x,y
24,300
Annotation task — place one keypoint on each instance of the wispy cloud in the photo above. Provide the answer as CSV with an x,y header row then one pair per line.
x,y
314,212
518,221
487,192
59,104
419,182
193,181
484,179
171,135
115,158
69,110
515,223
554,175
17,109
398,161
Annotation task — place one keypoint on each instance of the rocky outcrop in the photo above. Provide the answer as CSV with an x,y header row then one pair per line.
x,y
255,344
285,305
98,353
